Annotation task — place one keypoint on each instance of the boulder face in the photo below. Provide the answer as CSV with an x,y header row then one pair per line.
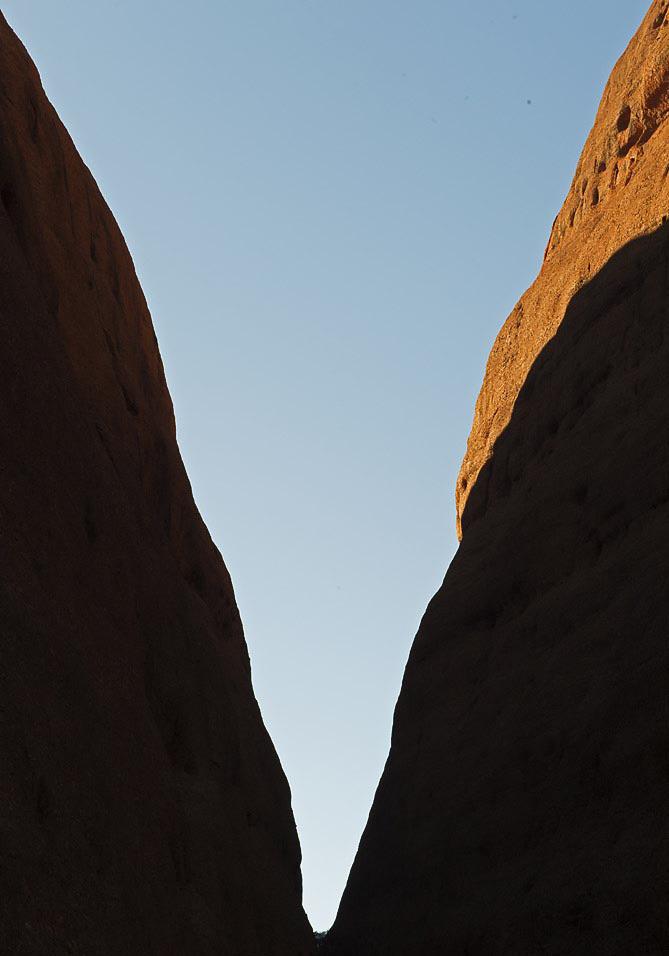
x,y
522,809
142,806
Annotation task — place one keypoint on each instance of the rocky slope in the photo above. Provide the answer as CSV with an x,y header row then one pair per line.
x,y
142,806
522,809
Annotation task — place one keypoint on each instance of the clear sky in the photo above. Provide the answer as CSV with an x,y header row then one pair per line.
x,y
332,206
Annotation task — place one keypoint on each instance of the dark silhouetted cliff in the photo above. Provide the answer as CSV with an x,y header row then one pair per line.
x,y
142,806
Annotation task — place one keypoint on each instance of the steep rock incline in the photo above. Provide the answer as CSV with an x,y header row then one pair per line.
x,y
619,192
522,809
142,806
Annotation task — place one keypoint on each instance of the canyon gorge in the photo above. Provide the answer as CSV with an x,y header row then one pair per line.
x,y
522,808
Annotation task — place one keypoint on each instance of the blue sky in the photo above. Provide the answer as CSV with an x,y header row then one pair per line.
x,y
332,206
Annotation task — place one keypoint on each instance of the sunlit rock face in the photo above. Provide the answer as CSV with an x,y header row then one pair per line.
x,y
523,807
142,806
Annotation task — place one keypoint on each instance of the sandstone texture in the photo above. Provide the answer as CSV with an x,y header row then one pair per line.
x,y
143,809
523,807
619,192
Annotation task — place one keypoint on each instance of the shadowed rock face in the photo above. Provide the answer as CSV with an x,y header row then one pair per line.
x,y
523,807
142,806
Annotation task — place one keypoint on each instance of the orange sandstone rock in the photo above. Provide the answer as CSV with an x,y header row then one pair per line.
x,y
620,191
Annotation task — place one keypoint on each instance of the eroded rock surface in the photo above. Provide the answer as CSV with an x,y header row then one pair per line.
x,y
142,806
620,191
522,809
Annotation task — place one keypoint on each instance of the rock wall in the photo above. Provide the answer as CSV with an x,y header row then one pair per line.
x,y
619,192
522,809
142,806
